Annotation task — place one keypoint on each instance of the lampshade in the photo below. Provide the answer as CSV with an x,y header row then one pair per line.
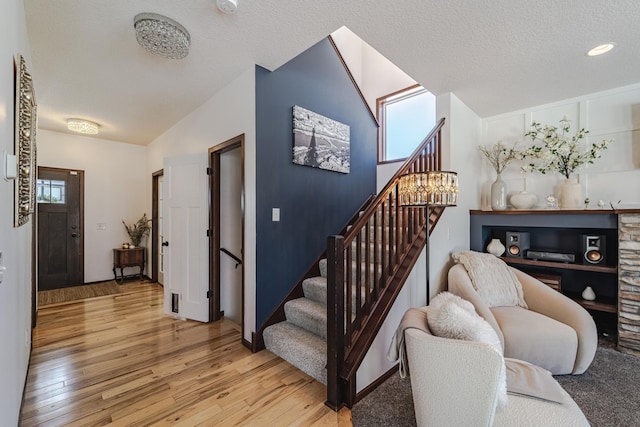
x,y
432,188
83,126
161,35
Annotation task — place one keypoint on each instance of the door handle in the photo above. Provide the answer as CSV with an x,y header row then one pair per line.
x,y
74,234
165,243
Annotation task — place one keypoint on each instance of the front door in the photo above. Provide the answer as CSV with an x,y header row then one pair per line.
x,y
60,228
185,225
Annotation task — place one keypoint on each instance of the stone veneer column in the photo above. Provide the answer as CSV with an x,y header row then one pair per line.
x,y
629,283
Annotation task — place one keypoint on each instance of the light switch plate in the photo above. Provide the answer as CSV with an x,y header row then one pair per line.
x,y
275,214
10,166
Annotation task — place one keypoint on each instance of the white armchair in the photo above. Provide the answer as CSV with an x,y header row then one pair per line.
x,y
455,383
555,332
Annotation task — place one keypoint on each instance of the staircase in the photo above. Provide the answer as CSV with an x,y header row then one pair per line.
x,y
302,338
328,321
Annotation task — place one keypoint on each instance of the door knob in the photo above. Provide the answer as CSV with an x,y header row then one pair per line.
x,y
74,234
165,243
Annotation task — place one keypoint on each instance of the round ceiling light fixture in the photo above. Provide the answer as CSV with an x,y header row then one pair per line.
x,y
162,36
227,6
599,50
83,126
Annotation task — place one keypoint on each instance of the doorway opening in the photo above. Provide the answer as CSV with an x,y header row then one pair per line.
x,y
158,242
226,166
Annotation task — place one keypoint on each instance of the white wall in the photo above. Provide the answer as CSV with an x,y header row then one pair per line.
x,y
15,243
229,113
115,189
462,128
375,75
611,114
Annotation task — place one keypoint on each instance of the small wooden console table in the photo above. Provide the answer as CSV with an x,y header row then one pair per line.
x,y
127,258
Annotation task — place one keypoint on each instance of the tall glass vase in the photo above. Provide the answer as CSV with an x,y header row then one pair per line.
x,y
499,194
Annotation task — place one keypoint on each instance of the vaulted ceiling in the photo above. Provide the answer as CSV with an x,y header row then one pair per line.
x,y
495,55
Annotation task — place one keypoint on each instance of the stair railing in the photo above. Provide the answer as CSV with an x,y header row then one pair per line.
x,y
366,268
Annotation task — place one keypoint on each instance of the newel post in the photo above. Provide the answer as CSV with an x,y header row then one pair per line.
x,y
335,321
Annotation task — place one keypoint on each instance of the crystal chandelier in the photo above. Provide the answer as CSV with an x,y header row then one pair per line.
x,y
161,35
83,126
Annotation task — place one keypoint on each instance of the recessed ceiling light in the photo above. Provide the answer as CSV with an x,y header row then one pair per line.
x,y
83,126
599,50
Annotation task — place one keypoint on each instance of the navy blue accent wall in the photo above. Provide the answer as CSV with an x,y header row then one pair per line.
x,y
313,203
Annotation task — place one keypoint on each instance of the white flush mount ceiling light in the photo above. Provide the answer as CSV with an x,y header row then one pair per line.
x,y
162,36
83,126
599,50
228,6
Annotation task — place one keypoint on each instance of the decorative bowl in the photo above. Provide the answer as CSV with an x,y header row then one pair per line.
x,y
524,200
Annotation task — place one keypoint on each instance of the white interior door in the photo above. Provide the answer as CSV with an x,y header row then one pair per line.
x,y
161,237
186,220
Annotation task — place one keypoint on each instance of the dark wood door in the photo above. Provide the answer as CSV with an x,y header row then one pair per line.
x,y
60,226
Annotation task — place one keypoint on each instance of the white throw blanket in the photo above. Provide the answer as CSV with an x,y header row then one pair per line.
x,y
492,278
413,318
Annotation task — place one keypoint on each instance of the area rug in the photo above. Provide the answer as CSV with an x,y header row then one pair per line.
x,y
608,394
55,296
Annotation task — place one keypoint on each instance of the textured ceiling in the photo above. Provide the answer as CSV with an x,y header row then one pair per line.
x,y
496,56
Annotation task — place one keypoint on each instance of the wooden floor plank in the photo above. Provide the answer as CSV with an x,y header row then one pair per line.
x,y
118,360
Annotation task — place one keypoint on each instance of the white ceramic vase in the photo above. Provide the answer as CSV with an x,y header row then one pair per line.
x,y
571,197
524,200
495,247
588,294
499,194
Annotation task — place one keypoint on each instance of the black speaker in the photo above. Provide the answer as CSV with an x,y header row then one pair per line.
x,y
517,244
592,248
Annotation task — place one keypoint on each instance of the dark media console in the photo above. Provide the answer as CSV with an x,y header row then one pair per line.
x,y
568,250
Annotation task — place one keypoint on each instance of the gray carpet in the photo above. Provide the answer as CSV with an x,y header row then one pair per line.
x,y
608,394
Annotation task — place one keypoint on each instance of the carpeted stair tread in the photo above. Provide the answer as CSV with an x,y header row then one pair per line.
x,y
323,267
307,314
315,288
301,348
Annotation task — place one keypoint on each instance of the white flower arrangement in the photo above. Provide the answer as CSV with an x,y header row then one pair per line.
x,y
499,156
557,151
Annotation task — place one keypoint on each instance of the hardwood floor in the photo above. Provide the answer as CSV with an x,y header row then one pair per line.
x,y
117,360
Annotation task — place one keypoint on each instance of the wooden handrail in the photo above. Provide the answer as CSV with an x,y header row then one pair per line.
x,y
367,267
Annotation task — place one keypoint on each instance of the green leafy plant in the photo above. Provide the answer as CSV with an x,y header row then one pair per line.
x,y
139,230
555,150
499,155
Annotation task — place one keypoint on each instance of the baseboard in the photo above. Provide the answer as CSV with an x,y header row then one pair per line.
x,y
248,344
374,385
144,278
24,388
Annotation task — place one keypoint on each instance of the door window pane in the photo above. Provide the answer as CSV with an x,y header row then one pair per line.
x,y
50,191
